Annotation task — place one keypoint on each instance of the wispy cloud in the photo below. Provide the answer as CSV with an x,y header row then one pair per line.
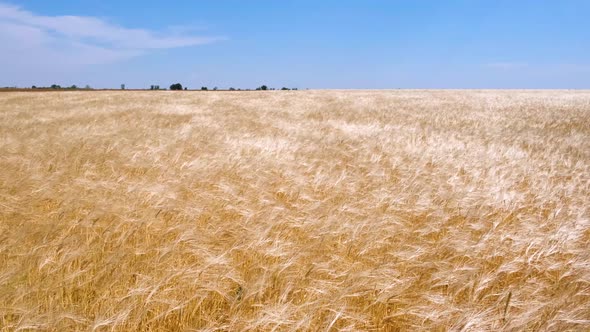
x,y
28,38
575,67
550,68
506,65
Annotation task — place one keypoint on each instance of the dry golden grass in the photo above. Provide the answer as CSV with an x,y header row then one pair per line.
x,y
309,210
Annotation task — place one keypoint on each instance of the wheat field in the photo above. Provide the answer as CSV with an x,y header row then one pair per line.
x,y
295,211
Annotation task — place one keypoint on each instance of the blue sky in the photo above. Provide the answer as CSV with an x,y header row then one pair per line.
x,y
304,44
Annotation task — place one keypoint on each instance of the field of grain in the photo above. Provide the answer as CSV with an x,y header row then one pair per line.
x,y
303,210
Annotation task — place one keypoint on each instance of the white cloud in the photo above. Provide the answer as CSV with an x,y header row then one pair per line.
x,y
574,67
31,39
506,65
540,67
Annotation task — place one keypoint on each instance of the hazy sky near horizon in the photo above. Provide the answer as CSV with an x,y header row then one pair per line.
x,y
304,44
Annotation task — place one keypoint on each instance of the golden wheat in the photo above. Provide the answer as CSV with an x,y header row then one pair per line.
x,y
303,210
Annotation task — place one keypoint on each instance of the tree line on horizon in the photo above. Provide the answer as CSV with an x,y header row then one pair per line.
x,y
173,87
178,86
56,86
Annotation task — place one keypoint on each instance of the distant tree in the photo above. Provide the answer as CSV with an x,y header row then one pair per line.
x,y
176,86
87,87
55,86
73,87
232,89
33,87
285,89
204,88
264,88
215,89
185,88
